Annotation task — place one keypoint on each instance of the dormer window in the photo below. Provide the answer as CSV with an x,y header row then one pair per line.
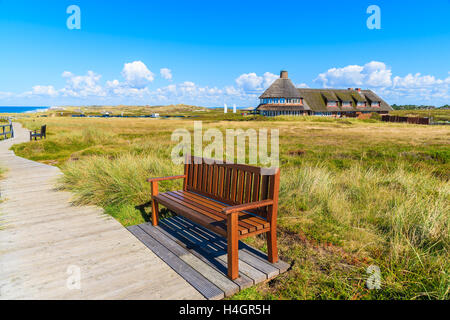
x,y
375,103
332,104
294,100
346,103
361,104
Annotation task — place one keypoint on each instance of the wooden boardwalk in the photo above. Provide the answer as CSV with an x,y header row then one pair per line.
x,y
200,257
44,240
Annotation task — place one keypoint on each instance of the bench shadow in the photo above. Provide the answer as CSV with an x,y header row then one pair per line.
x,y
202,242
145,211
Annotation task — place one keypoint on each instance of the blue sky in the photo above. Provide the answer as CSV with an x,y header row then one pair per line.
x,y
215,52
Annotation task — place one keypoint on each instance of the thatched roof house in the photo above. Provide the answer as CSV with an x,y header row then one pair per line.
x,y
282,97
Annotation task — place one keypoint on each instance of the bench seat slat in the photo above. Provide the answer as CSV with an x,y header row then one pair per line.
x,y
208,212
214,225
256,221
200,204
197,207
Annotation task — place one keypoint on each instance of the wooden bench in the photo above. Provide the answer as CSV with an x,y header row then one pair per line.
x,y
233,200
41,134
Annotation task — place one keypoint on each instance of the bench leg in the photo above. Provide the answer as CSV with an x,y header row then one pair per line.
x,y
155,209
232,246
272,250
155,213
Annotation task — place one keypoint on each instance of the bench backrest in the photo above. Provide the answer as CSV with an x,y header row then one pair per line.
x,y
231,183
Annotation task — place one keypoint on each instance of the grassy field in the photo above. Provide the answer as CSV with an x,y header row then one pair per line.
x,y
353,193
437,115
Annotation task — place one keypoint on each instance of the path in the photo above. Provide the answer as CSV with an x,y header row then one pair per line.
x,y
44,240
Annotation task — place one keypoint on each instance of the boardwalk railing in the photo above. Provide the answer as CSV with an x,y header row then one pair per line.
x,y
6,130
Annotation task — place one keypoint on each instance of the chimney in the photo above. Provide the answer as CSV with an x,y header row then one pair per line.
x,y
283,74
358,89
349,88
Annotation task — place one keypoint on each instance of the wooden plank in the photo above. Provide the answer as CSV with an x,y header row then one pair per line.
x,y
203,285
215,179
247,221
193,215
216,277
188,241
194,181
216,216
280,265
244,268
42,234
259,261
248,192
257,222
234,175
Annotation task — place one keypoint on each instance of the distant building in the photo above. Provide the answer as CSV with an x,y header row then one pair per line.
x,y
283,98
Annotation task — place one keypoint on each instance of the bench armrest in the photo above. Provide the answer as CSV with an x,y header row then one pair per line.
x,y
166,178
247,206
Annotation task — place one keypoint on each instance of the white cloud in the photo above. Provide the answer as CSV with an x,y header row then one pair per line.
x,y
166,73
419,87
4,95
137,75
250,82
45,91
376,74
135,87
418,81
269,78
82,86
373,74
118,89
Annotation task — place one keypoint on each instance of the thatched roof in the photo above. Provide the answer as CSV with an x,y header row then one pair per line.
x,y
317,99
281,88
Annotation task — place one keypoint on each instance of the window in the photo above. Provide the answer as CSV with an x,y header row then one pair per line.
x,y
332,104
361,104
346,103
375,103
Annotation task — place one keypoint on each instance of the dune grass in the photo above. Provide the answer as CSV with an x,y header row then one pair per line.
x,y
353,193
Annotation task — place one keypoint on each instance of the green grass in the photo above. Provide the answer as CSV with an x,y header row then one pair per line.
x,y
353,193
436,114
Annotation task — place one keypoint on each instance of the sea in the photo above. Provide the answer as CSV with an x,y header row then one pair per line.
x,y
18,109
